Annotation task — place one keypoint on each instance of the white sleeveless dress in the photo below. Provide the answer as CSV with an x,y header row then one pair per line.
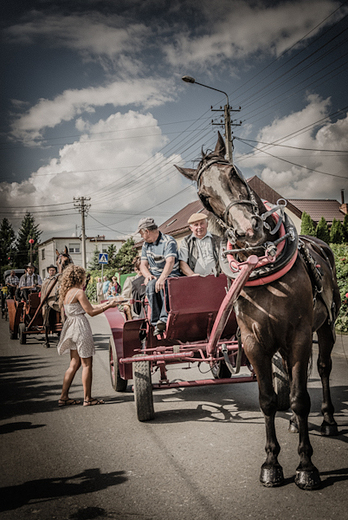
x,y
76,333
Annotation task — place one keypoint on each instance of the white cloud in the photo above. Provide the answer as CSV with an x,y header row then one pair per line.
x,y
92,33
48,113
295,180
240,29
117,163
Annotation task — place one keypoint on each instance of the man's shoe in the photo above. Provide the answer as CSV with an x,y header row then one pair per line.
x,y
160,327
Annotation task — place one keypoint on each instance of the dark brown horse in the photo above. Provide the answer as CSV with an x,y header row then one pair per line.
x,y
280,311
51,286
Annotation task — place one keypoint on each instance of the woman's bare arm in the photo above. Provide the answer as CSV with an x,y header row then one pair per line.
x,y
94,310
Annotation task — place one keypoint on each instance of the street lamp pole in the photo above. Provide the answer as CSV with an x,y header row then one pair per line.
x,y
227,117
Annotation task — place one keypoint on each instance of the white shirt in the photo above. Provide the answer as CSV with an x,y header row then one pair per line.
x,y
205,263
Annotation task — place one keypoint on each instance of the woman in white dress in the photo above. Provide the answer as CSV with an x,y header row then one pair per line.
x,y
76,336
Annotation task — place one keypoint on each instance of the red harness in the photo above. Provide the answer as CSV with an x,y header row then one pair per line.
x,y
264,260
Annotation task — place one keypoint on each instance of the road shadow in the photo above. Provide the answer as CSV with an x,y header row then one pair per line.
x,y
333,476
16,426
45,490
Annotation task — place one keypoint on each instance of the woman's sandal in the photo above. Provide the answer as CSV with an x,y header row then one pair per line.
x,y
68,402
93,402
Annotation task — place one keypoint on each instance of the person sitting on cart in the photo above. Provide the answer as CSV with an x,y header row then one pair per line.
x,y
199,252
51,272
28,283
159,261
12,282
134,290
46,284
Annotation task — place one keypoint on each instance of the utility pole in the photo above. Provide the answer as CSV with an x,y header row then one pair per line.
x,y
227,118
227,123
82,207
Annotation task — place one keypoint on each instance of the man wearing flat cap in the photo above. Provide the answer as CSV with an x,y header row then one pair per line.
x,y
159,261
29,282
199,252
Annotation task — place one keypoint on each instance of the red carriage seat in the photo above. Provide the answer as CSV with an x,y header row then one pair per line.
x,y
194,302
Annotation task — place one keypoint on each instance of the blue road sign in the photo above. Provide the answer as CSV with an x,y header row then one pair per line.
x,y
103,258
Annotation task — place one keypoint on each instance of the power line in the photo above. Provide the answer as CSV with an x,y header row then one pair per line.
x,y
295,164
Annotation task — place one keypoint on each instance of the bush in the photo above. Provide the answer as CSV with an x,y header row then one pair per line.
x,y
341,257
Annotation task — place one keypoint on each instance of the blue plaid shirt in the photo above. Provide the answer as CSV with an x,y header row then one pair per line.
x,y
157,253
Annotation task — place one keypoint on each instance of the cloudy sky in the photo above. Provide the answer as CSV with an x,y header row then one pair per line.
x,y
93,104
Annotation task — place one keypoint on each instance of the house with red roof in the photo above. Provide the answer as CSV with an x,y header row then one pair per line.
x,y
177,226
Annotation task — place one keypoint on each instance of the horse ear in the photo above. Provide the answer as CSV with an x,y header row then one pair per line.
x,y
189,173
66,252
57,253
220,148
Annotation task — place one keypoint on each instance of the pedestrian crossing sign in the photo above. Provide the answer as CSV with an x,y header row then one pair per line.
x,y
103,258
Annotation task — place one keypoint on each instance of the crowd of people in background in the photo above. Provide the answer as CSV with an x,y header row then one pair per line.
x,y
160,260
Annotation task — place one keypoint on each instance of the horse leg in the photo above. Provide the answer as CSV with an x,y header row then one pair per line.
x,y
324,364
307,475
271,471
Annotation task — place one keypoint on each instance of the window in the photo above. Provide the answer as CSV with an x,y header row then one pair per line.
x,y
74,248
42,254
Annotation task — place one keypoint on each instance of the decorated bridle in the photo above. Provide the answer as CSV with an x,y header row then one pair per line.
x,y
230,232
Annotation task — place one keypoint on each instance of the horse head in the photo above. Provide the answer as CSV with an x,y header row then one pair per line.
x,y
63,259
224,191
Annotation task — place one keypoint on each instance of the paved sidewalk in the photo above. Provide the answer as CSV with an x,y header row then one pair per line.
x,y
341,345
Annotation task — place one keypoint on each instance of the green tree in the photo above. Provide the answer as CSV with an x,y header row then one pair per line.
x,y
111,255
336,232
345,228
94,264
7,247
7,243
28,230
323,231
124,258
307,225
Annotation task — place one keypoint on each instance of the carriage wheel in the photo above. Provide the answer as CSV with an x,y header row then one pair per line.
x,y
281,383
143,390
118,384
22,335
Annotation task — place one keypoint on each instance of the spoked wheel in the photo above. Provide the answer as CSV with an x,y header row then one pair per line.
x,y
22,335
143,390
118,384
281,383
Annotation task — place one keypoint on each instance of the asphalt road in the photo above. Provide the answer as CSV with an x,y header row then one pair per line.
x,y
199,459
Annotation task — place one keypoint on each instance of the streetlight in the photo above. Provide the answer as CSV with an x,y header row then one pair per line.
x,y
228,138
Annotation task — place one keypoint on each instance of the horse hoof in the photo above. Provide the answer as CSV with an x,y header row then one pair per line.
x,y
272,476
329,430
293,428
308,480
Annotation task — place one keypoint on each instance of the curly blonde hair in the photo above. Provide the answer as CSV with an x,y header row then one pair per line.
x,y
72,276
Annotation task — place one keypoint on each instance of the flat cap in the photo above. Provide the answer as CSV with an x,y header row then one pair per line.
x,y
196,217
146,223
